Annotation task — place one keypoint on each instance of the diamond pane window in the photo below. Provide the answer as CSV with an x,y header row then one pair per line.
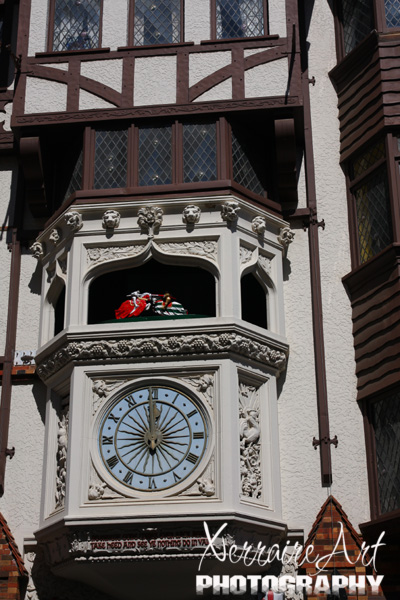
x,y
386,419
155,155
240,18
76,177
373,215
392,13
110,164
366,160
157,22
199,152
76,24
358,21
244,165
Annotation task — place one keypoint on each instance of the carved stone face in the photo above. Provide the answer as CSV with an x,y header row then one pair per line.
x,y
111,219
191,214
74,220
229,211
258,225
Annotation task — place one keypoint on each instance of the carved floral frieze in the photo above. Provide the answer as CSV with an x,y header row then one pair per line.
x,y
206,249
96,256
62,448
162,346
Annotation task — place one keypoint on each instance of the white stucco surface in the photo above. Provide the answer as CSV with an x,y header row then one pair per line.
x,y
6,191
28,303
38,27
222,91
269,79
250,51
108,72
45,96
61,66
20,504
7,116
349,461
88,101
115,23
155,80
205,63
197,20
277,17
302,494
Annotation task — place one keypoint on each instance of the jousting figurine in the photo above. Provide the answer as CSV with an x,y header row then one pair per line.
x,y
147,304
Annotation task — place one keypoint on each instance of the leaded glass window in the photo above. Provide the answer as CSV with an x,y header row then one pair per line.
x,y
358,21
157,22
75,182
386,421
239,18
76,24
372,202
155,155
246,170
199,152
110,166
392,13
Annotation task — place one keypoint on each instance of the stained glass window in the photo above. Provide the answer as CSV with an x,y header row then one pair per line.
x,y
157,22
76,24
155,155
372,202
110,166
199,152
240,18
386,420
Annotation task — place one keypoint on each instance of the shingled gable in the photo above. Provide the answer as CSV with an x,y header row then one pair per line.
x,y
323,537
13,575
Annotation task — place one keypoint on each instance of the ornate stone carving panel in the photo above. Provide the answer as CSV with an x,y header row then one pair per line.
x,y
250,442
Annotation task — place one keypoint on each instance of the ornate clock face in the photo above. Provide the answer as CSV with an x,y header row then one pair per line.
x,y
153,438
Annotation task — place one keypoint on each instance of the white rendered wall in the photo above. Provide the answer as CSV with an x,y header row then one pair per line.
x,y
6,180
45,96
108,72
155,80
20,504
197,21
115,24
277,17
349,460
38,27
269,79
28,303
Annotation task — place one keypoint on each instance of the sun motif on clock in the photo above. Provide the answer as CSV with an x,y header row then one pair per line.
x,y
153,438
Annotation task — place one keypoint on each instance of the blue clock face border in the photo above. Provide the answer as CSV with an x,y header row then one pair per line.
x,y
152,438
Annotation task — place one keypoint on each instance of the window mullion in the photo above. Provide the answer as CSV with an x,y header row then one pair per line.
x,y
177,152
88,158
132,172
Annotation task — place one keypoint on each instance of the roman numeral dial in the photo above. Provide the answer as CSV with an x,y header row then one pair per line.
x,y
153,438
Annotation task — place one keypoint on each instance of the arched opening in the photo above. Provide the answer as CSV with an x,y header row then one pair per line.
x,y
254,301
192,287
59,312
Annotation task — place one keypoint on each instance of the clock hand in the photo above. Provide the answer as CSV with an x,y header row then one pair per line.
x,y
154,415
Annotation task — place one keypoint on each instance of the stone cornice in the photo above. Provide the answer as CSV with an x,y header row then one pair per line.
x,y
128,346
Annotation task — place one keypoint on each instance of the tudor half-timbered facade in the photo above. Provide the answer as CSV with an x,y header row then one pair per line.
x,y
175,148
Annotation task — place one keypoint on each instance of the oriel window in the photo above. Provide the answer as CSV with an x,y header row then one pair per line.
x,y
157,22
155,155
110,165
240,18
370,190
76,24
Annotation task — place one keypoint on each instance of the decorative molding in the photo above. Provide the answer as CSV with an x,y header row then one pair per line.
x,y
290,568
38,250
101,389
286,237
245,255
229,211
150,219
155,111
174,345
62,443
191,214
96,491
55,236
264,263
111,219
73,220
206,249
250,446
259,225
203,384
98,255
205,485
